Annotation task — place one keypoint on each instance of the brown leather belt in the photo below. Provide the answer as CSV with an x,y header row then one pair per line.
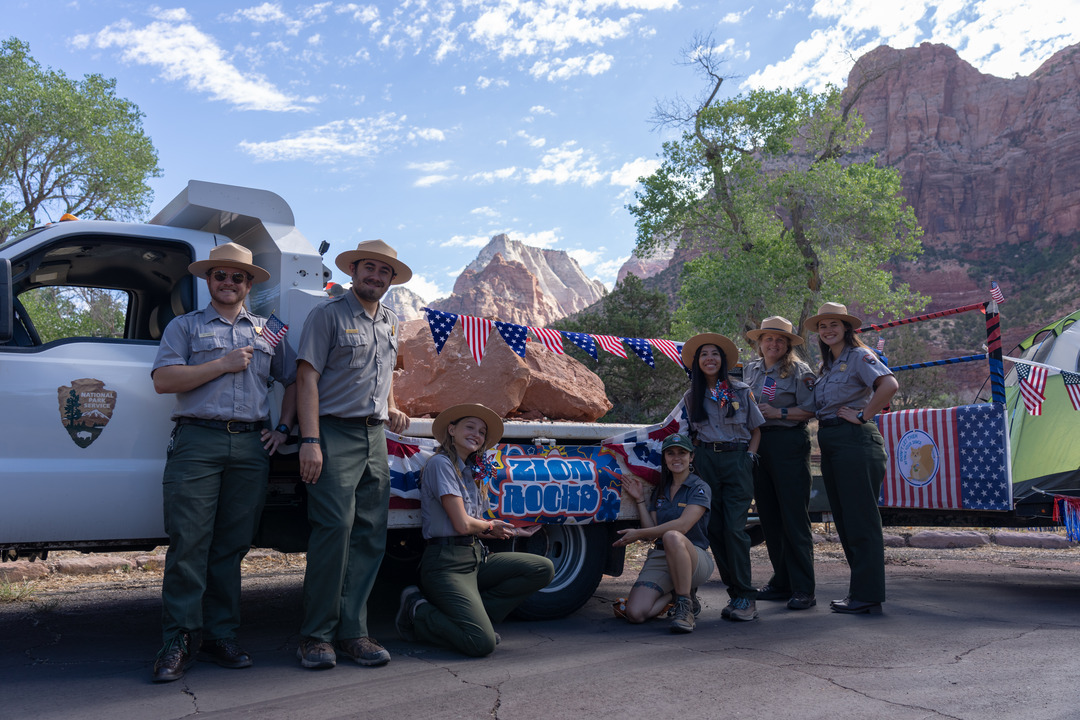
x,y
232,426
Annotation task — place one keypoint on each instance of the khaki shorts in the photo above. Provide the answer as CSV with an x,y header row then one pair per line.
x,y
655,571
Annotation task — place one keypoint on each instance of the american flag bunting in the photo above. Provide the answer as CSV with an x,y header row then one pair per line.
x,y
642,349
611,344
476,332
440,323
1032,386
514,335
670,348
551,339
583,341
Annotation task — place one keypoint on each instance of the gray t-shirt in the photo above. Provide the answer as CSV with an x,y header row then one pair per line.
x,y
850,381
203,335
354,355
794,391
440,479
693,491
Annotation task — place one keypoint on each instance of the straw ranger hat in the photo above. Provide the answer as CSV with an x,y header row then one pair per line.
x,y
778,325
726,346
229,255
832,310
378,250
452,414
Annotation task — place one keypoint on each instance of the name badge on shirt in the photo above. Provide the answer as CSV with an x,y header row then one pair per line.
x,y
206,334
682,504
351,331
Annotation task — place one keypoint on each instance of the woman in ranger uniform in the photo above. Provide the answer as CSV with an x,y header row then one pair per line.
x,y
465,589
784,388
852,387
724,421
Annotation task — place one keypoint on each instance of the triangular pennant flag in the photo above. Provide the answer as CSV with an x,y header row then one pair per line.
x,y
441,323
551,339
671,349
611,344
1032,386
1072,386
514,335
642,349
476,334
583,341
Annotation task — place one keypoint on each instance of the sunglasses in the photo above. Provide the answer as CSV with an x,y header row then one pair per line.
x,y
237,277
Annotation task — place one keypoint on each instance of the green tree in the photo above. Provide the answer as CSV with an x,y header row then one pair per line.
x,y
72,411
639,393
62,312
758,185
67,146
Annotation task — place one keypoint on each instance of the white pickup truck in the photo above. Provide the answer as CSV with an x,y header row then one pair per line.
x,y
84,434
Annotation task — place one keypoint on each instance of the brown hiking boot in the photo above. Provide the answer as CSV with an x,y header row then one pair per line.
x,y
316,654
364,650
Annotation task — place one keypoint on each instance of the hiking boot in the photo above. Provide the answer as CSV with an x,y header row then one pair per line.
x,y
226,652
695,604
175,657
743,609
770,592
410,600
364,650
801,601
682,620
316,654
726,612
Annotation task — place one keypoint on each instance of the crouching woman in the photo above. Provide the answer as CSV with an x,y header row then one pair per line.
x,y
675,515
463,589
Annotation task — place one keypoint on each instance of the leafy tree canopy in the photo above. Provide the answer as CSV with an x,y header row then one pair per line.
x,y
759,188
67,146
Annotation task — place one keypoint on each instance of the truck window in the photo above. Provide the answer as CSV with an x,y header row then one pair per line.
x,y
59,312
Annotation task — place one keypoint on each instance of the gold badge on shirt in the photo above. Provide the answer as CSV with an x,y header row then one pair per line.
x,y
843,367
258,330
735,404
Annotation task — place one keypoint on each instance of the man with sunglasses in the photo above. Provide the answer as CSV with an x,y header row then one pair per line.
x,y
345,396
217,363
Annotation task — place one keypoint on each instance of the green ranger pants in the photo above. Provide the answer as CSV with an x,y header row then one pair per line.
x,y
782,491
214,487
853,468
467,592
347,510
730,477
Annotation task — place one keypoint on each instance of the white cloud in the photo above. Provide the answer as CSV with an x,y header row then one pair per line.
x,y
541,239
429,180
431,167
475,241
733,18
267,13
998,38
585,258
536,142
485,211
608,270
628,174
566,164
558,69
432,134
493,175
185,53
428,290
358,137
485,82
541,110
459,89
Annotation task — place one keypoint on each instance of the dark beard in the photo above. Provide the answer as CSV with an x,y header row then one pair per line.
x,y
368,293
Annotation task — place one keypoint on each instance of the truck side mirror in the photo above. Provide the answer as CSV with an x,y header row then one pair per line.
x,y
7,317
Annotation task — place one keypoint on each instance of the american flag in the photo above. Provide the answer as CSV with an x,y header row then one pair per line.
x,y
642,349
881,345
441,323
1032,386
611,344
274,330
551,339
768,390
951,458
514,335
638,452
476,334
583,341
995,293
670,348
1072,386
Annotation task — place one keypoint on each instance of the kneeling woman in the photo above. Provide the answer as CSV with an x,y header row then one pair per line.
x,y
676,515
465,589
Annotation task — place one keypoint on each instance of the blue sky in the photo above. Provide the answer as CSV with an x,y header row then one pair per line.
x,y
435,125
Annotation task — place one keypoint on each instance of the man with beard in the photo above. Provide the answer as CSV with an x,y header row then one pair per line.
x,y
217,362
345,368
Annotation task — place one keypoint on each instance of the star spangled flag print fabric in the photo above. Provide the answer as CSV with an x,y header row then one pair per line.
x,y
551,339
407,457
476,332
638,452
952,458
670,348
768,390
642,349
583,341
1032,386
995,293
1072,387
611,344
274,330
514,335
441,323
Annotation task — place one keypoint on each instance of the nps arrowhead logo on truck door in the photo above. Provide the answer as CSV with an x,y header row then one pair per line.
x,y
85,409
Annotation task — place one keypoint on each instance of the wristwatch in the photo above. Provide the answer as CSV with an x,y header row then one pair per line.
x,y
860,418
783,413
312,440
282,428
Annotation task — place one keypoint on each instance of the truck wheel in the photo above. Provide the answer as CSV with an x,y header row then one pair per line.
x,y
578,553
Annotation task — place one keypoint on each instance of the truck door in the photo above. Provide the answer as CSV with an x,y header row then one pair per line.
x,y
85,434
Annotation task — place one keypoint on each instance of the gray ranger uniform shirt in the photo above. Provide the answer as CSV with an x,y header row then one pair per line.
x,y
440,479
850,381
796,390
721,428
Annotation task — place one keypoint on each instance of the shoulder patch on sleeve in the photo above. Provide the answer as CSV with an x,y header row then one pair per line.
x,y
868,357
809,382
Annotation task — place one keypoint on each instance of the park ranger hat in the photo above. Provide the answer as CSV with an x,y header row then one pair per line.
x,y
377,250
677,440
726,346
832,310
778,325
451,415
229,255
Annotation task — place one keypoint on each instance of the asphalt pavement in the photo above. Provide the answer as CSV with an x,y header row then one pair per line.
x,y
962,636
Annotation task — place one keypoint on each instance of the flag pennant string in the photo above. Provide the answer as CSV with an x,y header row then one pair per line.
x,y
551,339
642,349
583,341
612,344
514,335
441,323
476,334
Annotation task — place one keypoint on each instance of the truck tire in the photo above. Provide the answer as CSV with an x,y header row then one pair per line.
x,y
579,553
